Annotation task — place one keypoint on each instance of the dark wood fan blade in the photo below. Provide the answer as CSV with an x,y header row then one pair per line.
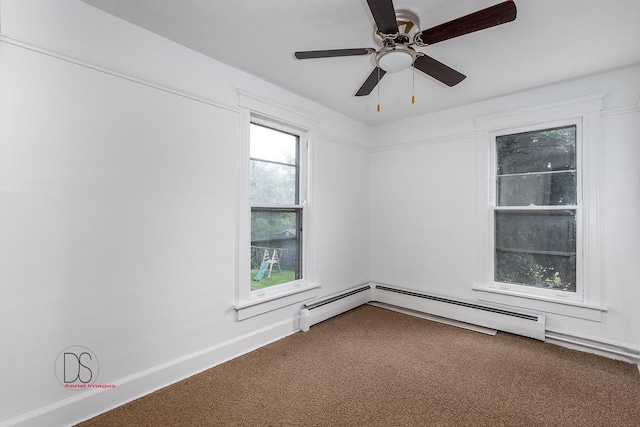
x,y
371,82
332,52
438,70
485,18
385,15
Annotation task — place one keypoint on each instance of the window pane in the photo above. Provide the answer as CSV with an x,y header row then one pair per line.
x,y
273,183
549,189
535,230
536,248
537,270
272,145
275,247
538,151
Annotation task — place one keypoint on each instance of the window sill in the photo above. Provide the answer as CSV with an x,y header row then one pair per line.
x,y
251,308
575,309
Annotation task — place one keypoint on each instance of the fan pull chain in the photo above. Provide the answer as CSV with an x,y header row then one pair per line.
x,y
378,85
413,85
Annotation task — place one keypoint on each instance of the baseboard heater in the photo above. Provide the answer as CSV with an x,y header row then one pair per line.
x,y
327,307
520,323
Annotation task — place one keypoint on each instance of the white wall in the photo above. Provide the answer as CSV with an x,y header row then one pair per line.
x,y
118,208
424,204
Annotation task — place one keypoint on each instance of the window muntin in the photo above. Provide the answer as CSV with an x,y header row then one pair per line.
x,y
535,213
276,213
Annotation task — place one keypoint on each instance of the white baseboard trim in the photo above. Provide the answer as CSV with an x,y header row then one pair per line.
x,y
86,405
609,349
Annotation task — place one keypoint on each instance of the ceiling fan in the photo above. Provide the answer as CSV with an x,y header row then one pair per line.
x,y
397,32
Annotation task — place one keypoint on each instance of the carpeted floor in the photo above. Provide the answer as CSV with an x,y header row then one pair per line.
x,y
375,367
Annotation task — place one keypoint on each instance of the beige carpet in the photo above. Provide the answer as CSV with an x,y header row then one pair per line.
x,y
375,367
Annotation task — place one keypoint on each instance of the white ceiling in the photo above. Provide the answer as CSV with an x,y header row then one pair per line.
x,y
550,41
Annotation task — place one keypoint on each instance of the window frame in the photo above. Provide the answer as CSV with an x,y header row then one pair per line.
x,y
494,207
254,303
299,207
584,113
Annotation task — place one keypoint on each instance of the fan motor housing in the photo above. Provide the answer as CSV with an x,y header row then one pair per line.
x,y
408,27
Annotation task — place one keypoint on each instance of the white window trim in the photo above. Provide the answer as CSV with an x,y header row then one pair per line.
x,y
253,303
585,113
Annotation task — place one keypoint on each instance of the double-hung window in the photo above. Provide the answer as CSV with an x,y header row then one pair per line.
x,y
538,233
535,210
276,208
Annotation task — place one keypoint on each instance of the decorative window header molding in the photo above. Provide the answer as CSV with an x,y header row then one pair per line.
x,y
554,111
275,111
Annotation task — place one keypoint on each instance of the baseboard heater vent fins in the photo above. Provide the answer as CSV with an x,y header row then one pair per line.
x,y
526,324
327,307
460,303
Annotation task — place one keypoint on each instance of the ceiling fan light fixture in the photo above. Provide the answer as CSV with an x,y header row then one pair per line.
x,y
395,59
398,31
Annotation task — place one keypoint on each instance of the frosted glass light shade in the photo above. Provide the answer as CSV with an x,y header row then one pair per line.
x,y
395,61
